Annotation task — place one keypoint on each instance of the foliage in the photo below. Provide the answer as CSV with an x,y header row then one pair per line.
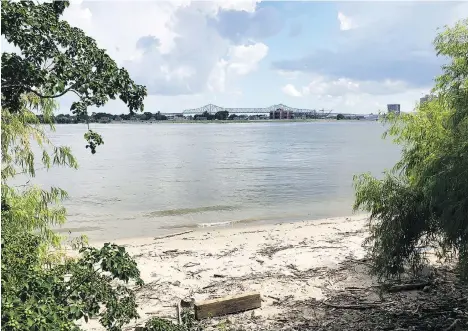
x,y
340,117
188,323
423,200
42,289
38,298
160,117
159,324
220,115
31,208
56,59
147,116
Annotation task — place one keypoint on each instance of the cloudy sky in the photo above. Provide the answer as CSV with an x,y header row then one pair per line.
x,y
346,56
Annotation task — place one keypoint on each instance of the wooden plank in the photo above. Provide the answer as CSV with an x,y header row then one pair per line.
x,y
227,305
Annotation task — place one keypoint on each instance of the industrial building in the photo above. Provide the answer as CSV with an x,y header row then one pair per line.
x,y
393,108
281,114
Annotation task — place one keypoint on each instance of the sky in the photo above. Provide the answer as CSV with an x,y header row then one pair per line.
x,y
349,57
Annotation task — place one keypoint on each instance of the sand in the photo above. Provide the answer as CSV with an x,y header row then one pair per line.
x,y
282,262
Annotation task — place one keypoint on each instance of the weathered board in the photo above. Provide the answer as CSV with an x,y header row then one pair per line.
x,y
227,305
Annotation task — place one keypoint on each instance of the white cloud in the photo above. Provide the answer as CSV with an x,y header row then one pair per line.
x,y
247,6
350,96
289,75
321,86
217,78
241,60
346,22
187,56
245,58
290,90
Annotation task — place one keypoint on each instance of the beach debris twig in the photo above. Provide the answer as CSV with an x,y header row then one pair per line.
x,y
210,285
179,317
228,252
272,297
358,307
191,264
172,235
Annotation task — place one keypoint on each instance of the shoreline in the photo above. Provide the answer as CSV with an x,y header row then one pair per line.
x,y
281,261
228,121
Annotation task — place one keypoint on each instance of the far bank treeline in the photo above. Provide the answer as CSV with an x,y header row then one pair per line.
x,y
148,116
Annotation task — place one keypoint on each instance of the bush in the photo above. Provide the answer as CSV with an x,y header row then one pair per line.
x,y
423,200
39,297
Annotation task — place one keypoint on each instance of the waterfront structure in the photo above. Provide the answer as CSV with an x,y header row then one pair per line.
x,y
425,99
272,112
393,108
213,109
280,114
173,116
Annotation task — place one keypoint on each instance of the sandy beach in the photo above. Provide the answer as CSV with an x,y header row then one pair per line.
x,y
283,262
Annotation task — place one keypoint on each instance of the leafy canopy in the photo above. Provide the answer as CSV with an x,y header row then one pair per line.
x,y
57,59
423,200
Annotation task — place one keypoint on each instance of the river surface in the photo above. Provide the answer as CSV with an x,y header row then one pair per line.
x,y
151,179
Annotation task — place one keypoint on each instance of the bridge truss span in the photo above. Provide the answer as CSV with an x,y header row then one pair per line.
x,y
213,109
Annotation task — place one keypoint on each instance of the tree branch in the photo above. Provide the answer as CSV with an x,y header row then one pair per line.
x,y
28,89
51,96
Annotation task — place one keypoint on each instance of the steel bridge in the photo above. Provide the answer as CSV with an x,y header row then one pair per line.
x,y
213,109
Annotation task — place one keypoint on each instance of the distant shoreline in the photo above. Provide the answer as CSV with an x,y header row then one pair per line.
x,y
223,121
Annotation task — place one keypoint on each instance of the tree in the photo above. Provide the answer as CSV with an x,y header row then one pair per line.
x,y
147,116
423,200
340,117
222,115
57,59
100,115
55,298
160,117
41,288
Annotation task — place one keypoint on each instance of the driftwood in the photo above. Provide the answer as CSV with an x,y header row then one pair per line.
x,y
172,235
272,297
227,305
179,317
170,251
357,307
407,287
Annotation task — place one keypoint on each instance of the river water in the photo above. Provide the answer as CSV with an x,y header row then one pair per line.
x,y
151,179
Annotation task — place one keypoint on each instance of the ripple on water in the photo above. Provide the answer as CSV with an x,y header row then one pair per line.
x,y
186,211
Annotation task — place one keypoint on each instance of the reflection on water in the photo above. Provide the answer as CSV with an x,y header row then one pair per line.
x,y
149,178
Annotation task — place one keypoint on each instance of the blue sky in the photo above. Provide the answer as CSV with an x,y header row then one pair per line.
x,y
352,57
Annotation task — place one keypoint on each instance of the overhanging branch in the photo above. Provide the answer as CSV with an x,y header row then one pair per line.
x,y
40,95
